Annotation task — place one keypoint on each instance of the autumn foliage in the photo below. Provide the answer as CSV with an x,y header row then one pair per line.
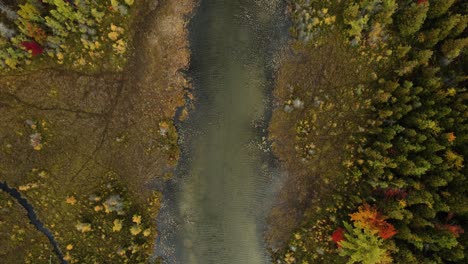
x,y
36,32
33,46
369,218
456,230
451,137
338,236
395,193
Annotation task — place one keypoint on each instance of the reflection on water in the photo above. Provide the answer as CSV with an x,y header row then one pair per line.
x,y
215,213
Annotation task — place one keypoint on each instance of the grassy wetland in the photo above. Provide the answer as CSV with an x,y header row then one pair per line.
x,y
85,133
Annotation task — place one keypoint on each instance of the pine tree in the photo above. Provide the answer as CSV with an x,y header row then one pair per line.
x,y
438,8
441,29
453,47
460,27
411,19
363,246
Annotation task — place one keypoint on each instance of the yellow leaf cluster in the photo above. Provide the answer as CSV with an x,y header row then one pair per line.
x,y
147,232
83,227
365,213
113,35
71,200
120,46
37,147
135,230
28,186
117,225
136,219
116,28
451,92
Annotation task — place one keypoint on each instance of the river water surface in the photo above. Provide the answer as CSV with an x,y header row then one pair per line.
x,y
215,208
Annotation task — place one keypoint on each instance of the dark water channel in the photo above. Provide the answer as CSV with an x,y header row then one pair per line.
x,y
33,218
214,210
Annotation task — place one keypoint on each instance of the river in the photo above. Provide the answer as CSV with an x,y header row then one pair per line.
x,y
215,208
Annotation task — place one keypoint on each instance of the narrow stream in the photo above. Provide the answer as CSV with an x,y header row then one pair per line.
x,y
33,218
214,210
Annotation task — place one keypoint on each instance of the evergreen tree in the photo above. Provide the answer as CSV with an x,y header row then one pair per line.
x,y
453,47
411,18
363,246
438,8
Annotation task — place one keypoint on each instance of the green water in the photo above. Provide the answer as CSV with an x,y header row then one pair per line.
x,y
226,185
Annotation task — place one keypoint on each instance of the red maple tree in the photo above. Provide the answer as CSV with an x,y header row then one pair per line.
x,y
386,230
32,46
338,236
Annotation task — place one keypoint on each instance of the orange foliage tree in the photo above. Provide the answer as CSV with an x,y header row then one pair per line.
x,y
36,32
368,217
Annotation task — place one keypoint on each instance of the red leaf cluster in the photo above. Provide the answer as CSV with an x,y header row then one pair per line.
x,y
422,2
456,230
395,193
32,46
338,236
386,230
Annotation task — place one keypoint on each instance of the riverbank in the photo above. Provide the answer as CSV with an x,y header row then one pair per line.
x,y
83,149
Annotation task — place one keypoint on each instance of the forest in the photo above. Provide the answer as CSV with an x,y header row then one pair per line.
x,y
400,195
